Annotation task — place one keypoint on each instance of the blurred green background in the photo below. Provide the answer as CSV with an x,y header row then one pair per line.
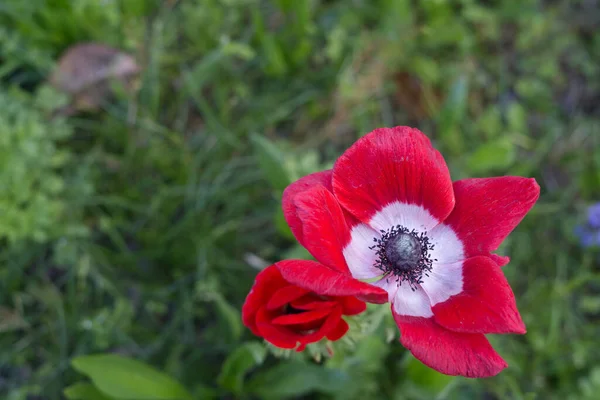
x,y
140,191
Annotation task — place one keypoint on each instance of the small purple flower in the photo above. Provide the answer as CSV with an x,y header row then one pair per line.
x,y
589,234
587,237
594,216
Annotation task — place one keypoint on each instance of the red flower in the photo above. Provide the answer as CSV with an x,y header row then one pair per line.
x,y
389,211
286,314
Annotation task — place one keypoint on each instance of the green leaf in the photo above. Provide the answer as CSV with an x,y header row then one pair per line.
x,y
517,118
498,154
271,161
452,113
274,55
239,363
124,378
426,378
297,252
239,49
296,379
427,69
84,391
229,315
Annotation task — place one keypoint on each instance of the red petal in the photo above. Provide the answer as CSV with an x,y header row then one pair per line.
x,y
322,178
279,336
488,209
312,302
308,326
352,305
500,260
324,227
301,318
451,353
284,296
339,331
486,304
326,281
301,347
388,165
266,283
328,326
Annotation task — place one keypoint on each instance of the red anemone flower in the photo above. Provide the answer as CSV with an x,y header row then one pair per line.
x,y
389,212
285,314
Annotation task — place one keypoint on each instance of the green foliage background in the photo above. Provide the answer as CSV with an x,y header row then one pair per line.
x,y
134,229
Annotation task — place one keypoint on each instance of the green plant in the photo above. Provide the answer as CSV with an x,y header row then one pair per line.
x,y
35,173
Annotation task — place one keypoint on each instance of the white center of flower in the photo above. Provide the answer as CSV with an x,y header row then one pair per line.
x,y
436,285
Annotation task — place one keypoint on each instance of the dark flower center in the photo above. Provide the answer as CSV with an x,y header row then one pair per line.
x,y
403,254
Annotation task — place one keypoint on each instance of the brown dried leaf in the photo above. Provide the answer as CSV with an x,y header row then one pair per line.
x,y
11,320
413,98
85,71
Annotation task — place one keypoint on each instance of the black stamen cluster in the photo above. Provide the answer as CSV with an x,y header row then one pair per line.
x,y
411,272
